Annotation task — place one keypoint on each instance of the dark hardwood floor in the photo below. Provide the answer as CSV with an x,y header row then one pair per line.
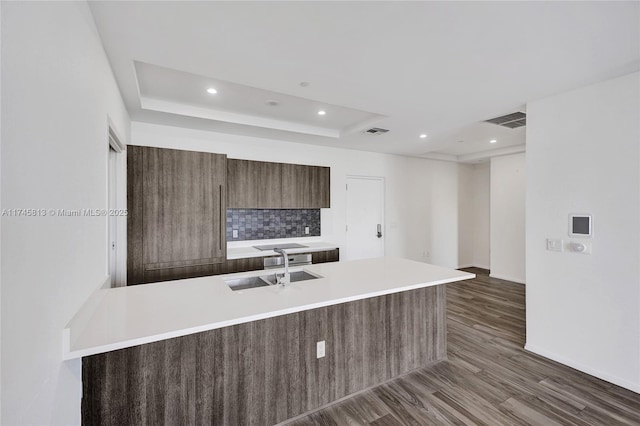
x,y
488,379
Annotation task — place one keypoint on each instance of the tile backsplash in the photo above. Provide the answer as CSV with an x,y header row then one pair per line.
x,y
265,224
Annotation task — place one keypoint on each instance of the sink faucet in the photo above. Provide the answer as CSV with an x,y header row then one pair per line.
x,y
286,277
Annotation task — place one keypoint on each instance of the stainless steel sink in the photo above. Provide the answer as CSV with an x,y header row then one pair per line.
x,y
245,283
295,276
266,280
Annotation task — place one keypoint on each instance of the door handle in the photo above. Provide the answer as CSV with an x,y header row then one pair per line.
x,y
379,234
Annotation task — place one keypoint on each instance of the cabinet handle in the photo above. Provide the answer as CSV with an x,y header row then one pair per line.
x,y
223,226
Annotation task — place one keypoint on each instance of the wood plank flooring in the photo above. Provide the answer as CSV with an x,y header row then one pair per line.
x,y
488,379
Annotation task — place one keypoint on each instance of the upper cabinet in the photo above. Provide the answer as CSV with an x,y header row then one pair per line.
x,y
295,186
269,184
319,195
263,185
177,213
254,184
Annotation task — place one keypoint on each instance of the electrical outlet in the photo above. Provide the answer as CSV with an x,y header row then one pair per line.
x,y
320,349
306,230
235,233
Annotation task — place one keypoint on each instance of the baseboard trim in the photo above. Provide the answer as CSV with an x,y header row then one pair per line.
x,y
465,266
473,265
502,277
635,387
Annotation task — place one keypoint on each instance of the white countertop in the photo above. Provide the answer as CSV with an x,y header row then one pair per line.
x,y
245,252
122,317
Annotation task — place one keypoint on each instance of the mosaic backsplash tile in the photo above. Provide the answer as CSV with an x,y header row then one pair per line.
x,y
265,224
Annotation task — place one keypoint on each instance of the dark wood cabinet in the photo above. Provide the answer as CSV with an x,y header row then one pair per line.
x,y
177,203
264,185
175,273
306,187
295,184
239,265
319,194
242,176
269,184
135,267
254,184
325,256
231,266
177,213
257,263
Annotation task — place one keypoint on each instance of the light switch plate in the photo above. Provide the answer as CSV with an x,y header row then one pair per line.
x,y
234,233
320,349
554,244
306,230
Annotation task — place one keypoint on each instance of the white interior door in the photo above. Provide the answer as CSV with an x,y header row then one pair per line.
x,y
365,218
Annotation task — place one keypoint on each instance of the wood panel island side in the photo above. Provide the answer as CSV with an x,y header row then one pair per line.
x,y
195,352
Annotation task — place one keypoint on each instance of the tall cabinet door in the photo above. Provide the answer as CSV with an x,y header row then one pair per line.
x,y
184,208
177,213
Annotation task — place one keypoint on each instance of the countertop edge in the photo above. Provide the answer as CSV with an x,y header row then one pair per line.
x,y
87,311
70,353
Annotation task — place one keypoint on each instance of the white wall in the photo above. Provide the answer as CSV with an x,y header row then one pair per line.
x,y
420,195
57,91
481,215
473,215
440,182
507,206
466,213
583,156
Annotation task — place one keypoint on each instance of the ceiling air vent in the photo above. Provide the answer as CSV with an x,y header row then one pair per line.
x,y
512,121
375,131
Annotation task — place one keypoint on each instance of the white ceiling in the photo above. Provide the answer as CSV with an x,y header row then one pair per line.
x,y
438,68
166,90
464,143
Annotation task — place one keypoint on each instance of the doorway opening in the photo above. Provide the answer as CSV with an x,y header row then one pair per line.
x,y
116,206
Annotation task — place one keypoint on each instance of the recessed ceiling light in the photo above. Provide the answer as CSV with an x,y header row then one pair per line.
x,y
493,141
422,136
211,91
322,112
305,84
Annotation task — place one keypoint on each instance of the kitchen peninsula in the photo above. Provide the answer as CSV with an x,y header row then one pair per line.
x,y
194,351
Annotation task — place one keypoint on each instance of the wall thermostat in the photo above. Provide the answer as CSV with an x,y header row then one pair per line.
x,y
580,225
